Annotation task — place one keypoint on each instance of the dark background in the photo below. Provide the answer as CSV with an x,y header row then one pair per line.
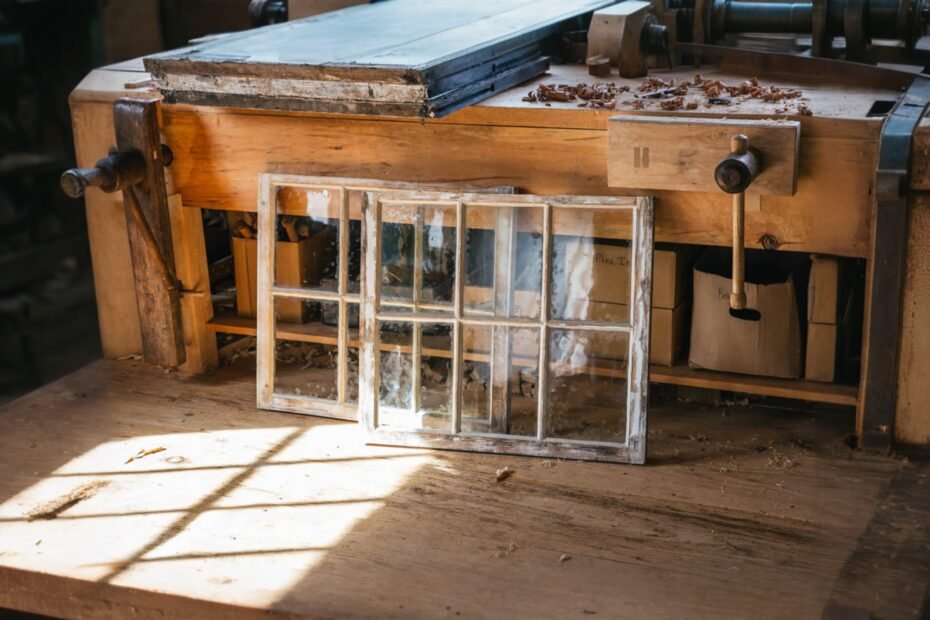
x,y
48,318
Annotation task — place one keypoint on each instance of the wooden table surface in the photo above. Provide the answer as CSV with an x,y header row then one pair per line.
x,y
740,513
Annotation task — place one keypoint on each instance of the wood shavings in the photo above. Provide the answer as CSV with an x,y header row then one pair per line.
x,y
144,453
673,104
564,558
602,92
670,95
651,84
503,552
502,474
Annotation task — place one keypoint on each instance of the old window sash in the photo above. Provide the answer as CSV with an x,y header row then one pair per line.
x,y
377,312
333,198
323,196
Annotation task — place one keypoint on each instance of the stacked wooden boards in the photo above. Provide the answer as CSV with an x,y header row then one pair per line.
x,y
399,58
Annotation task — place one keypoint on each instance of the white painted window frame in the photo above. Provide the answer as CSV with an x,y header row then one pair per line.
x,y
633,450
267,292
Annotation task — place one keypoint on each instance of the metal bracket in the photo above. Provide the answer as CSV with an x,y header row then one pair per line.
x,y
887,268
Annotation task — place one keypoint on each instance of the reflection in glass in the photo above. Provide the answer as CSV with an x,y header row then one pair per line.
x,y
415,391
504,400
503,261
587,385
418,268
590,275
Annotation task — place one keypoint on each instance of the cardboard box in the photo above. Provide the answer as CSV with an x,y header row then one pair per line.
x,y
298,264
820,361
601,272
770,346
823,290
668,328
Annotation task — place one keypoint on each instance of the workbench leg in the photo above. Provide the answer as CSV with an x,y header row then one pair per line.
x,y
912,414
192,269
117,311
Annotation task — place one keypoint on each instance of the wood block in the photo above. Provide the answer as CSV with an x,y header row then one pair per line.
x,y
298,265
245,260
615,32
820,359
822,289
674,153
190,260
598,66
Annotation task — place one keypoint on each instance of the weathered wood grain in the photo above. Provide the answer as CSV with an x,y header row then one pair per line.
x,y
407,58
912,417
117,312
254,514
681,154
150,243
220,155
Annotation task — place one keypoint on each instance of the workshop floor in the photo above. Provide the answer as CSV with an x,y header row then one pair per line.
x,y
742,512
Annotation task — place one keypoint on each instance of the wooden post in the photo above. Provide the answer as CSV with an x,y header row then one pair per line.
x,y
157,296
190,260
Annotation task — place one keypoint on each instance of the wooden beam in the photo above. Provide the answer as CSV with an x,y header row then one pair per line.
x,y
190,259
681,154
157,296
219,156
117,313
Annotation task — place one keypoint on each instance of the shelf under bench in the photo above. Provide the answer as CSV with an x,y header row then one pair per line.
x,y
798,389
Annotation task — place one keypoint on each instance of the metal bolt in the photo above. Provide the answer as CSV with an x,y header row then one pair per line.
x,y
769,242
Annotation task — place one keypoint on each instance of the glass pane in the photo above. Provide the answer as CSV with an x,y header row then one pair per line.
x,y
587,385
503,252
306,347
355,257
307,237
356,197
411,397
352,377
591,264
421,235
510,407
305,369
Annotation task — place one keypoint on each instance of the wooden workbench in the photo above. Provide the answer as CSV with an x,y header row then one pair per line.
x,y
557,148
248,514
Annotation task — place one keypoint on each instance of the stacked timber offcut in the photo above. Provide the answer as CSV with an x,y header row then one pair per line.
x,y
399,58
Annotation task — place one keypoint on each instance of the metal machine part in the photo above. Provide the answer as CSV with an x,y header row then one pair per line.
x,y
734,174
627,33
115,172
859,22
267,12
890,245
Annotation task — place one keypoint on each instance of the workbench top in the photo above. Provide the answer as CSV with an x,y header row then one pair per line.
x,y
825,101
231,512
